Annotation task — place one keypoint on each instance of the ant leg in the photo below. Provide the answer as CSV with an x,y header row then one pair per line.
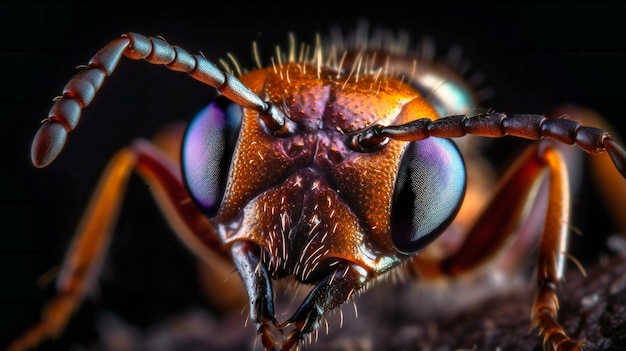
x,y
552,254
85,255
498,224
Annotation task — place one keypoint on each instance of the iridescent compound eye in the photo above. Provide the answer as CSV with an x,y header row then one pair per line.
x,y
428,193
445,90
207,152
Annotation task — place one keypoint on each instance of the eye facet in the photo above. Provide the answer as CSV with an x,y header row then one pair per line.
x,y
428,193
207,152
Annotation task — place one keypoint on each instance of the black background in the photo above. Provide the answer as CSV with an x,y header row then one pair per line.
x,y
535,57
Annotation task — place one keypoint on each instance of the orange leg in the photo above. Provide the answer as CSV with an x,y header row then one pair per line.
x,y
93,235
503,217
552,254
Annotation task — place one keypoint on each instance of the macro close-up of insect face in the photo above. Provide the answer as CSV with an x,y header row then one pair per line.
x,y
328,176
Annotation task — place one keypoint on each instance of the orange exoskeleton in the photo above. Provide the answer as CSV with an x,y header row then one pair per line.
x,y
331,167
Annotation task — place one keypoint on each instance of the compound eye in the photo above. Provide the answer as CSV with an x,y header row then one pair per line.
x,y
447,92
207,152
429,190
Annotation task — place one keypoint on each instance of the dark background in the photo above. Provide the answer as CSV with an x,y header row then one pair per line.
x,y
535,56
